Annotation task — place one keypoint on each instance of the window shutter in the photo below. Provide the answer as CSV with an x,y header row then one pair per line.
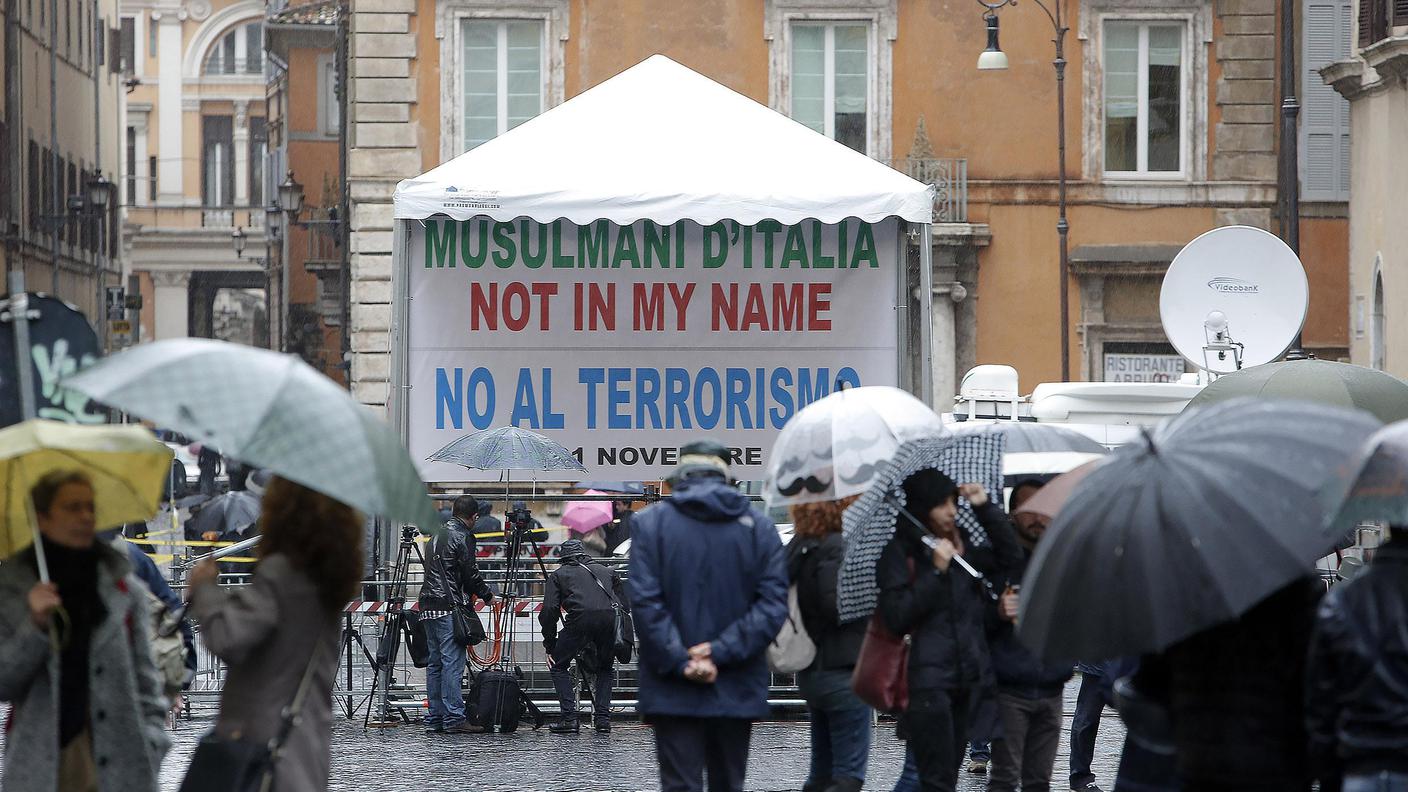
x,y
1324,127
1400,12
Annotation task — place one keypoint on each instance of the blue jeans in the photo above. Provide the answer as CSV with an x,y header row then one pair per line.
x,y
909,776
840,745
1379,782
442,676
1085,726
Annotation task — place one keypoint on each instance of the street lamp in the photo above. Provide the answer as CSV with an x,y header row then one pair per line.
x,y
291,197
237,239
994,58
273,222
98,188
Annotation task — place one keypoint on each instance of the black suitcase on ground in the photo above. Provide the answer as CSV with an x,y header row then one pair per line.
x,y
496,700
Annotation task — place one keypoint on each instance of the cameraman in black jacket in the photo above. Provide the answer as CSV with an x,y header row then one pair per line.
x,y
452,578
588,594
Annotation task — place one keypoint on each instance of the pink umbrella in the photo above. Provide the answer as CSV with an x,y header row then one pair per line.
x,y
586,516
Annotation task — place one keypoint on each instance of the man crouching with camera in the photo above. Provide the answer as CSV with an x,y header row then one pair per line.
x,y
452,579
589,595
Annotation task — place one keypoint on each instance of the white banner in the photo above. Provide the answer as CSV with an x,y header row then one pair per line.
x,y
624,342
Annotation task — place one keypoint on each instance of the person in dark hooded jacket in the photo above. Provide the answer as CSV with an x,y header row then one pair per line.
x,y
941,607
708,588
585,596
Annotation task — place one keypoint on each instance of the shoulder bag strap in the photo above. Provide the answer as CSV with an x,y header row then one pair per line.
x,y
602,586
291,716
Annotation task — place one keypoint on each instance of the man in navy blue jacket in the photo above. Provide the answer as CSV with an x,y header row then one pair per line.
x,y
708,588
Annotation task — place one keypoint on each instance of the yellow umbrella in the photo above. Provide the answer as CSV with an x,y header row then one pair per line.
x,y
126,464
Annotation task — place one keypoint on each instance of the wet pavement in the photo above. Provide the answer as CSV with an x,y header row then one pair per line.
x,y
405,759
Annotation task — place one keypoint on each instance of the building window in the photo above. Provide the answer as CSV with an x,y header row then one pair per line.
x,y
33,187
503,76
127,45
331,105
131,186
1378,326
1326,38
151,178
241,51
151,37
258,152
217,161
831,81
1145,98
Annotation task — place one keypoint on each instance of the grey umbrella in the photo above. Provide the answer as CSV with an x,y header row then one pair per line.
x,y
269,410
869,523
508,448
232,512
1326,382
1185,528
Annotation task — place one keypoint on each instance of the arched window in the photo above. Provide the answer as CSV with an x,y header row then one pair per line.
x,y
1378,325
240,51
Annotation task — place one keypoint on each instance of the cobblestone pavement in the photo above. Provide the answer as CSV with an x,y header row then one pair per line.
x,y
406,760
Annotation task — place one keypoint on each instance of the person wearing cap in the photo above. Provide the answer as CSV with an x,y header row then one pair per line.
x,y
941,608
708,584
584,595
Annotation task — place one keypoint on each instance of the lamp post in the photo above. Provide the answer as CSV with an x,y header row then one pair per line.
x,y
238,240
993,58
96,194
291,197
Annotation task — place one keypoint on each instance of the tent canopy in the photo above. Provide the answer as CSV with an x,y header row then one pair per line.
x,y
664,143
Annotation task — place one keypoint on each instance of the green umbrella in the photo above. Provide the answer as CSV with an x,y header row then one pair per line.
x,y
268,410
1383,396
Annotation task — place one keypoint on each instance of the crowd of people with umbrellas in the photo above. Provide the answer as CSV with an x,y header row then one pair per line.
x,y
1180,569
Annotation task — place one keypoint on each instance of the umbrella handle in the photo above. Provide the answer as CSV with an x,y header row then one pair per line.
x,y
928,540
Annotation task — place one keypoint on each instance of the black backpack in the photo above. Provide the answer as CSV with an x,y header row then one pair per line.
x,y
497,702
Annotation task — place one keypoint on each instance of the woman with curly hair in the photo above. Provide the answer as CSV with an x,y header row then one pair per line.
x,y
270,631
840,722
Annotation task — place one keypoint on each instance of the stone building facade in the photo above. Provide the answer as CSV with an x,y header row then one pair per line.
x,y
1148,170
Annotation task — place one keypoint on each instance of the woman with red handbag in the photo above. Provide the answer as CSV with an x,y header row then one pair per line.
x,y
940,607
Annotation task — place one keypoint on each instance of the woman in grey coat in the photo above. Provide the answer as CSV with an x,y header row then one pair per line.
x,y
268,632
89,716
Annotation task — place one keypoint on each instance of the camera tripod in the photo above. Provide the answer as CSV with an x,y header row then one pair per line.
x,y
350,635
396,627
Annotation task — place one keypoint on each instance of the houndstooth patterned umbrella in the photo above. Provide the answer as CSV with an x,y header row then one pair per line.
x,y
269,410
869,523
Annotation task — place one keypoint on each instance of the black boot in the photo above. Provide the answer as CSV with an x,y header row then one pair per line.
x,y
566,726
603,725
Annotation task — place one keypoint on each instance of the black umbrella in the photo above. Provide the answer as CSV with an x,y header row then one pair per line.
x,y
232,512
1187,527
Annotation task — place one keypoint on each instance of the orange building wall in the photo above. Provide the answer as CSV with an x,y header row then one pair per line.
x,y
1003,123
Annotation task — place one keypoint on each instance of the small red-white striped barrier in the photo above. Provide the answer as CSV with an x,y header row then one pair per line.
x,y
522,608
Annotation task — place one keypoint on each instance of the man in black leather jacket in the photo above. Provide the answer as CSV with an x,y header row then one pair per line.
x,y
451,577
1357,678
585,596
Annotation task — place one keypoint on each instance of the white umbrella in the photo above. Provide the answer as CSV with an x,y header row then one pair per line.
x,y
833,447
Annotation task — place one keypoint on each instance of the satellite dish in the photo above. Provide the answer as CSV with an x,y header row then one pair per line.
x,y
1233,297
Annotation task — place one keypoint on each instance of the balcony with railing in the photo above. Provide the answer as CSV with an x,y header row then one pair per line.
x,y
949,177
175,218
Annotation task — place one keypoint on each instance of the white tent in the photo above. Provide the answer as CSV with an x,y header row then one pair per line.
x,y
664,143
